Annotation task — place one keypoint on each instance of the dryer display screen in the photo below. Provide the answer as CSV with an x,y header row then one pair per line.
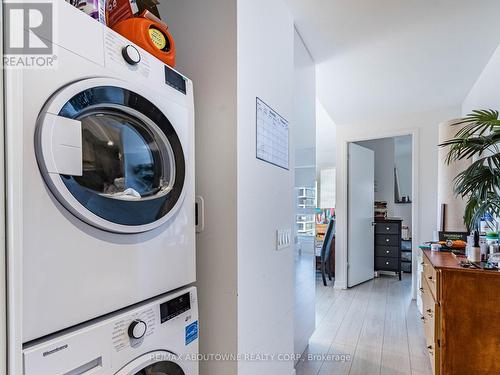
x,y
175,307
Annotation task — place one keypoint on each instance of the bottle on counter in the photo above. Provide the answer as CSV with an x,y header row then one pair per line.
x,y
475,252
492,242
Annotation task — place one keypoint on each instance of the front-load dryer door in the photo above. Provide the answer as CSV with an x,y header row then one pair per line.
x,y
155,363
111,156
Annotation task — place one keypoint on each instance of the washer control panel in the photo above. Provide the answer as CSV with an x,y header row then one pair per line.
x,y
175,307
107,344
132,330
137,329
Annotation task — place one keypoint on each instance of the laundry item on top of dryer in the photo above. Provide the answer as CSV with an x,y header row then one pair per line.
x,y
94,8
119,10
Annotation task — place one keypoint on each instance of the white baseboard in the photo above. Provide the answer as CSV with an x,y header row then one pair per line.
x,y
339,284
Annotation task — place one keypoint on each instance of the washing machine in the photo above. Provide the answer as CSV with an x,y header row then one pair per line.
x,y
159,337
108,177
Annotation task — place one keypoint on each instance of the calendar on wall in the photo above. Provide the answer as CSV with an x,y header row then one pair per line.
x,y
272,136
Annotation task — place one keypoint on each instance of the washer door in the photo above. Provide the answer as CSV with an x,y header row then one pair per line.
x,y
111,156
155,363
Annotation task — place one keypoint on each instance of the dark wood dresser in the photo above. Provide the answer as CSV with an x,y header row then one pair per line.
x,y
461,316
388,246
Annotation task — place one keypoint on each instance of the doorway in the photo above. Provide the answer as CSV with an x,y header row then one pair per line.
x,y
395,190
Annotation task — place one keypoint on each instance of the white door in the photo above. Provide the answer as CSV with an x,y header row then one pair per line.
x,y
361,197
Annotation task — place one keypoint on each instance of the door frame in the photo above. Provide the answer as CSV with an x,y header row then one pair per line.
x,y
342,202
3,253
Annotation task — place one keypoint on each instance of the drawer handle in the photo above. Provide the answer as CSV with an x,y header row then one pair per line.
x,y
429,347
422,263
387,263
387,228
421,290
430,278
422,318
429,312
387,240
387,252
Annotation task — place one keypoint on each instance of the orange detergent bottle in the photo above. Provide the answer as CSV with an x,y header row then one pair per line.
x,y
152,36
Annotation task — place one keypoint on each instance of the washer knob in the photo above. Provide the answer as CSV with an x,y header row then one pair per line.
x,y
131,54
137,329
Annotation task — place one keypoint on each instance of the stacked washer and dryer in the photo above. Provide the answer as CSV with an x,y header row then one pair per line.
x,y
108,209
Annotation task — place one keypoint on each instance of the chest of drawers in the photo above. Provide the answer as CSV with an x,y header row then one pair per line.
x,y
461,309
388,246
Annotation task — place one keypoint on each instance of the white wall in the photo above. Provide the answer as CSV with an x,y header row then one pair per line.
x,y
304,142
265,192
205,33
402,160
3,265
326,137
424,127
326,149
390,152
384,170
485,94
234,51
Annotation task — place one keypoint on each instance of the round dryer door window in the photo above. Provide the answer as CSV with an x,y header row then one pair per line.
x,y
161,368
111,157
159,362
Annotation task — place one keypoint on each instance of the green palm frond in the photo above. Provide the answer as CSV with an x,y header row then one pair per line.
x,y
480,132
476,209
480,178
479,138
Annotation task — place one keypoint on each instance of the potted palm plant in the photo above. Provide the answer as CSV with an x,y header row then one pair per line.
x,y
479,184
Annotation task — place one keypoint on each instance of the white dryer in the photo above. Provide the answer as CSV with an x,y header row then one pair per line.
x,y
108,178
159,337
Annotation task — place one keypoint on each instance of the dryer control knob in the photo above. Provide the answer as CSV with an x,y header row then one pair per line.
x,y
137,329
131,54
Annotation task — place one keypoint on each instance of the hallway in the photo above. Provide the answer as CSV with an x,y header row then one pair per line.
x,y
375,328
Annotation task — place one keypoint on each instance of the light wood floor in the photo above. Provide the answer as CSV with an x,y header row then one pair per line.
x,y
376,324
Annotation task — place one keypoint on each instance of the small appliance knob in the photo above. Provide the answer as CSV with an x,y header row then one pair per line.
x,y
131,54
137,329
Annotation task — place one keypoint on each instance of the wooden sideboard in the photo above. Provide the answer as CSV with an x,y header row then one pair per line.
x,y
461,316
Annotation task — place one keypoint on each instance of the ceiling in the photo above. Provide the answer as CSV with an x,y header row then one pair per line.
x,y
387,57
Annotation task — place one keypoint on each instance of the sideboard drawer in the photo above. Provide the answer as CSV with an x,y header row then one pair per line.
x,y
386,240
430,310
386,228
387,264
429,275
387,251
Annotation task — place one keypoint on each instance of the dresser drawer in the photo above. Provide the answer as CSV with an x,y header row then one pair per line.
x,y
387,251
429,275
430,310
386,264
386,228
387,240
434,353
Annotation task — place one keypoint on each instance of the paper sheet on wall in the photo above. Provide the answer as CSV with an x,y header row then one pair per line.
x,y
272,136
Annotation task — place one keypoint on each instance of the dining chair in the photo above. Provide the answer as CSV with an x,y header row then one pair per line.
x,y
326,251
